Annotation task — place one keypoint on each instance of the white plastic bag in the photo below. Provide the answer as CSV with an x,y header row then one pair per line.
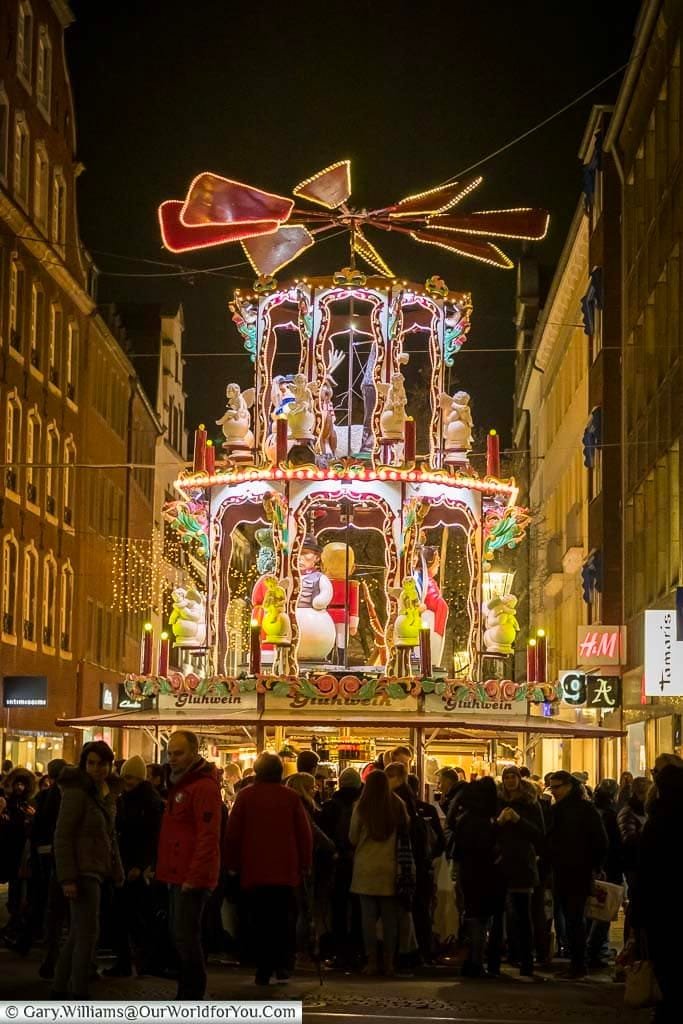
x,y
604,902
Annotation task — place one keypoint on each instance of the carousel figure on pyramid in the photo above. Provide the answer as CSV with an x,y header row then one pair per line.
x,y
317,631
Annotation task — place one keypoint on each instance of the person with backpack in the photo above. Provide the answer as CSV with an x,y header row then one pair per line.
x,y
335,821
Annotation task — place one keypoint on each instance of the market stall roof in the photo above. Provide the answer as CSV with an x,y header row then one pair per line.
x,y
466,724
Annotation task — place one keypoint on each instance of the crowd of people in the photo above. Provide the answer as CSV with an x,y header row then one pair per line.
x,y
165,864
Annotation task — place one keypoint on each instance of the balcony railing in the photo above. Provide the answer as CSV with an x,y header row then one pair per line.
x,y
8,624
32,494
29,630
11,480
65,642
47,636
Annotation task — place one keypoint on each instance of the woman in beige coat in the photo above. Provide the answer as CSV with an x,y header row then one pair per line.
x,y
376,819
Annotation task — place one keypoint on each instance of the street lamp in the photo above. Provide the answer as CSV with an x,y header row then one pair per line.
x,y
496,584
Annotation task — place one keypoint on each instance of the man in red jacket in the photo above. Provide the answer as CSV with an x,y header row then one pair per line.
x,y
189,855
268,842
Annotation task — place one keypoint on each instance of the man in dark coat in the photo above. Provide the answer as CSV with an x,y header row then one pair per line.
x,y
269,844
48,908
657,904
520,843
138,822
577,848
335,820
474,848
16,818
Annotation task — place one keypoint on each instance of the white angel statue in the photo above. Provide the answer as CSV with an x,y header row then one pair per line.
x,y
236,420
457,421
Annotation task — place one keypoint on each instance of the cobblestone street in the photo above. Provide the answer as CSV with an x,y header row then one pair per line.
x,y
434,995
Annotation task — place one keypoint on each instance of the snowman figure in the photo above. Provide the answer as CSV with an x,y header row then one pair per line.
x,y
501,625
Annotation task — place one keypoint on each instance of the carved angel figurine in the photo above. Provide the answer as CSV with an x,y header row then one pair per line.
x,y
392,420
236,420
300,415
457,421
328,434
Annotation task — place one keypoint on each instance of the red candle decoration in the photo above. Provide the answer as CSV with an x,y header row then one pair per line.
x,y
493,454
210,458
409,441
531,661
147,648
280,439
426,651
199,464
541,657
254,648
164,651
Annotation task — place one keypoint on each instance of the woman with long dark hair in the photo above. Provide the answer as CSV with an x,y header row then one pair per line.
x,y
377,819
86,855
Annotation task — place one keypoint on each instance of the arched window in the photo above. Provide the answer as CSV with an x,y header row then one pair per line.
x,y
17,293
44,72
41,186
25,42
54,348
8,598
30,627
4,134
37,327
22,153
51,469
49,600
13,442
68,481
59,210
71,360
66,607
33,454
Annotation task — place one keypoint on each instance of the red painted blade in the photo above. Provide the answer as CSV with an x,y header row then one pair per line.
x,y
486,252
272,253
528,224
215,200
434,200
178,238
330,187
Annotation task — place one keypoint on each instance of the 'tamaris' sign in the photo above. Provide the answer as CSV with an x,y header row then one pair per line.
x,y
663,655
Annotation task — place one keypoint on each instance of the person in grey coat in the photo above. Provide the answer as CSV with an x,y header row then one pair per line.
x,y
86,854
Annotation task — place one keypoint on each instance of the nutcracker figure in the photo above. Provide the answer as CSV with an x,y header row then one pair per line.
x,y
337,559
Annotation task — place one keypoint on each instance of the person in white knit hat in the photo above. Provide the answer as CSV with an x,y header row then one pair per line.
x,y
138,821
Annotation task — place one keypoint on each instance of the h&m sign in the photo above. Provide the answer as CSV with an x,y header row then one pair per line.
x,y
601,646
578,689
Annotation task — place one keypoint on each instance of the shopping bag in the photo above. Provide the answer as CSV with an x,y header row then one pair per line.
x,y
446,919
604,902
642,989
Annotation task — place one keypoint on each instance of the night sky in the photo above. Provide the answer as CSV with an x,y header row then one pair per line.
x,y
270,93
